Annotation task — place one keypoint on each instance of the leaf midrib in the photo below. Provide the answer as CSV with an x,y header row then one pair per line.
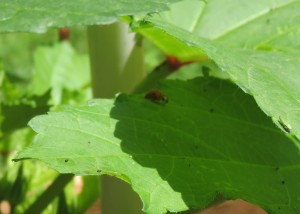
x,y
172,157
251,19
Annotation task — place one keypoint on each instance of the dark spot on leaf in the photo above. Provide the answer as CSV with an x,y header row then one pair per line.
x,y
66,160
279,208
204,90
211,110
268,21
277,168
89,142
283,182
98,170
196,146
205,71
189,165
284,126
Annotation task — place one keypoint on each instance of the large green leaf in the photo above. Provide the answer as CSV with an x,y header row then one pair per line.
x,y
210,139
271,77
37,16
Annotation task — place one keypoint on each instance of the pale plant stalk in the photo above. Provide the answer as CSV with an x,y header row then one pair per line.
x,y
117,65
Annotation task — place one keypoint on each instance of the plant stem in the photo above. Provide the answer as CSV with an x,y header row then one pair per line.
x,y
116,60
117,66
53,191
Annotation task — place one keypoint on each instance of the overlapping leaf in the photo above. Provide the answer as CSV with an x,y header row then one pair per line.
x,y
210,139
37,16
252,61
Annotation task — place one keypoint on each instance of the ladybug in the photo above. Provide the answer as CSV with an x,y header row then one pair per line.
x,y
156,96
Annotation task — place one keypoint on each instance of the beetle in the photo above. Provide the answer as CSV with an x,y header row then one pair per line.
x,y
156,96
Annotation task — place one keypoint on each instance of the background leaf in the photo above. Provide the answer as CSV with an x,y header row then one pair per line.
x,y
267,25
18,105
53,66
219,143
32,16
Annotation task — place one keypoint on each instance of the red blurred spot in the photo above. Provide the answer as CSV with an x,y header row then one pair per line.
x,y
174,63
64,34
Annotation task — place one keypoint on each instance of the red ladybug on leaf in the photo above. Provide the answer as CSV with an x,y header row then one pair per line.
x,y
156,96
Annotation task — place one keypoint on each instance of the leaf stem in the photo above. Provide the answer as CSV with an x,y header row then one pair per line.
x,y
160,72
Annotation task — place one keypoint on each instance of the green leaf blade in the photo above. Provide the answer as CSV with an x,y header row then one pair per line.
x,y
270,76
210,139
32,16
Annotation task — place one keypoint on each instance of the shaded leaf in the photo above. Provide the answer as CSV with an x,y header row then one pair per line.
x,y
16,109
17,116
210,139
271,77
